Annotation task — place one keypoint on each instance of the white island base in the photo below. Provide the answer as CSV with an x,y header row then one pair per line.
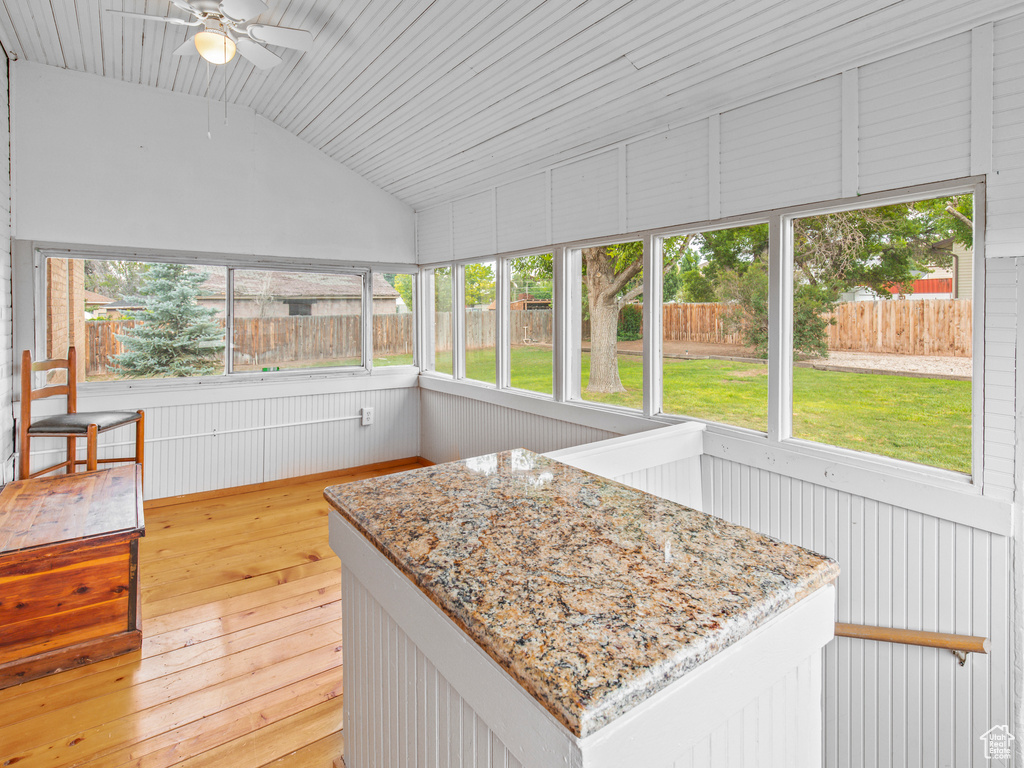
x,y
420,692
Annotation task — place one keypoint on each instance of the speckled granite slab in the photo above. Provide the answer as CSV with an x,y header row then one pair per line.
x,y
562,578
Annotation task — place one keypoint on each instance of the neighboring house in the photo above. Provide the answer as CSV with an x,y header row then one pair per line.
x,y
95,305
953,282
118,309
295,294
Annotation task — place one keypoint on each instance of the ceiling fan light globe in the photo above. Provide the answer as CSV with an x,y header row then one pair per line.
x,y
215,47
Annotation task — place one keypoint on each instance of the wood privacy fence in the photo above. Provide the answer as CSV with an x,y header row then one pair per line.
x,y
273,340
917,327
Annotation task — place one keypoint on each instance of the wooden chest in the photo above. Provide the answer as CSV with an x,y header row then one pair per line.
x,y
69,587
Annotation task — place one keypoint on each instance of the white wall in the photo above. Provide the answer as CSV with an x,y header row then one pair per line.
x,y
101,162
224,434
949,109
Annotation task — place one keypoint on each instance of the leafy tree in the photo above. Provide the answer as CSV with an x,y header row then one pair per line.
x,y
403,284
479,279
115,279
696,288
174,335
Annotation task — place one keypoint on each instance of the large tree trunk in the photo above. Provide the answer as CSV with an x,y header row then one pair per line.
x,y
604,321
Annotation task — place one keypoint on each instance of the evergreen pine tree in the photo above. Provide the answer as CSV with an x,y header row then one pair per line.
x,y
174,335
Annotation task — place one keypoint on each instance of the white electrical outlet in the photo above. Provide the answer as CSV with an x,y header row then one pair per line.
x,y
367,413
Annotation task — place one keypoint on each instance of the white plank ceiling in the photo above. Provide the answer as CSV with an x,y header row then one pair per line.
x,y
433,99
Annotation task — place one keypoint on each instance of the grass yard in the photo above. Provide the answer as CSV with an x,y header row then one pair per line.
x,y
927,421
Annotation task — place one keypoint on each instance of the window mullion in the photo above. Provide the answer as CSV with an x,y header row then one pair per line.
x,y
229,321
652,316
780,328
458,276
366,320
502,327
567,294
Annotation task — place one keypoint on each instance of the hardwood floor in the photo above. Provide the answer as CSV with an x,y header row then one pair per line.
x,y
241,658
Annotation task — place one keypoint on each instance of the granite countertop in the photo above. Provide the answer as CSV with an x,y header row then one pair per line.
x,y
561,576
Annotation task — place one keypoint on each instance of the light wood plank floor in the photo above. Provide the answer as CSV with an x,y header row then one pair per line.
x,y
241,659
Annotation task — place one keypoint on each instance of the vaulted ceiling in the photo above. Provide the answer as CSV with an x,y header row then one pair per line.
x,y
431,99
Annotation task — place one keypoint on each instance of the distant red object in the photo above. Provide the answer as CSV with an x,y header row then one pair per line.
x,y
927,285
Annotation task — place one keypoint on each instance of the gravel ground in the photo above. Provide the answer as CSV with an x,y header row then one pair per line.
x,y
943,366
933,365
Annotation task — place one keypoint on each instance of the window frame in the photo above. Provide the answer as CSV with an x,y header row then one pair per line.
x,y
32,331
567,264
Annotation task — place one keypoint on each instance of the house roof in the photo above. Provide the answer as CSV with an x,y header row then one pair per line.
x,y
91,297
285,285
432,100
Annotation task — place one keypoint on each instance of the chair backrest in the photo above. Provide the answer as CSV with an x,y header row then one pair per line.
x,y
70,388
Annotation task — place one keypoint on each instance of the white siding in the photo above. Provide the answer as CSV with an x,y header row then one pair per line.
x,y
679,481
6,313
585,197
667,177
891,705
434,233
783,150
522,213
406,712
1001,318
473,225
915,119
1006,184
453,428
183,457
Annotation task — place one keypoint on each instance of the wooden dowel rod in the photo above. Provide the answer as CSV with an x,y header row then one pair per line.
x,y
962,643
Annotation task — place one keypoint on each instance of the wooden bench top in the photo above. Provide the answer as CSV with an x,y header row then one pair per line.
x,y
51,510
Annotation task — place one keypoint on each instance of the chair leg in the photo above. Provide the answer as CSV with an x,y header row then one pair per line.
x,y
24,455
90,449
72,456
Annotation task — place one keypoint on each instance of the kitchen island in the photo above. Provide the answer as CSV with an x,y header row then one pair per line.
x,y
514,610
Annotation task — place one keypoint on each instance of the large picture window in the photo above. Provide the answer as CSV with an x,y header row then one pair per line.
x,y
153,320
715,326
295,319
478,282
393,327
882,330
611,342
531,324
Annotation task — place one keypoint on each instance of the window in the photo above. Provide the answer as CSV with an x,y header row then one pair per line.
x,y
141,320
443,335
531,324
882,330
481,310
393,329
611,359
295,320
715,326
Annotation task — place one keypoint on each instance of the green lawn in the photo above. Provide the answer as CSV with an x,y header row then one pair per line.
x,y
927,421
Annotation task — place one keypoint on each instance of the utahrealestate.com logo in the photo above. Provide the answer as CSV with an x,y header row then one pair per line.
x,y
998,743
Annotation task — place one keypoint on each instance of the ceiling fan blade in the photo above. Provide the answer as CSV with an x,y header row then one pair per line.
x,y
257,54
286,37
188,48
151,17
243,9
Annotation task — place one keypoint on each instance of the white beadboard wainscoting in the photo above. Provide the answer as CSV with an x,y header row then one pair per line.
x,y
424,694
223,434
914,554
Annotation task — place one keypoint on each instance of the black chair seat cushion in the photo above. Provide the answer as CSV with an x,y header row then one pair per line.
x,y
78,423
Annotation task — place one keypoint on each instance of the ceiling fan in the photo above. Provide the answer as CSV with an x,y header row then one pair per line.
x,y
228,26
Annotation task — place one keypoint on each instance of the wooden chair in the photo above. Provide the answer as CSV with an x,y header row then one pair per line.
x,y
71,424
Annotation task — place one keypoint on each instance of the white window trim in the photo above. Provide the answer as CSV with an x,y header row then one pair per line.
x,y
30,332
568,317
